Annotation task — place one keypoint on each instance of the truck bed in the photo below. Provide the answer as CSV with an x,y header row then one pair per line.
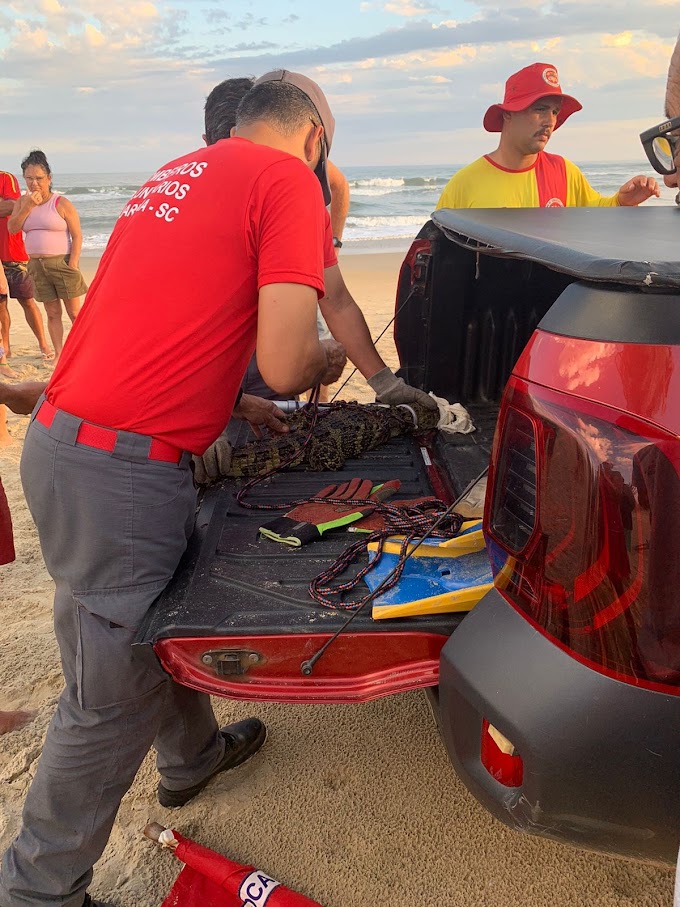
x,y
232,584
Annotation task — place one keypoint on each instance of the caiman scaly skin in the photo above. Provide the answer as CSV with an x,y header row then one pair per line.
x,y
343,431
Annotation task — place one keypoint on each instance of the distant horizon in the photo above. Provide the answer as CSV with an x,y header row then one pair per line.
x,y
341,166
388,203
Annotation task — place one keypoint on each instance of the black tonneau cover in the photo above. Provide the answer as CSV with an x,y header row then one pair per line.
x,y
633,246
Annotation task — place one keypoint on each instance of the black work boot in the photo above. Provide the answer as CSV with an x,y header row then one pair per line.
x,y
243,739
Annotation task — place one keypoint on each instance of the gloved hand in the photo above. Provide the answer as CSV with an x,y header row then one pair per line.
x,y
392,390
307,522
214,464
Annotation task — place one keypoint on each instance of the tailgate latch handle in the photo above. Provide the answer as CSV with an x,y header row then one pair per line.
x,y
228,662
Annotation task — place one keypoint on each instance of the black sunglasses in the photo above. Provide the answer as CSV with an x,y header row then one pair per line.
x,y
661,147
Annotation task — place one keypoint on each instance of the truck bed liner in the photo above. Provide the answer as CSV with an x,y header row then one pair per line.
x,y
231,581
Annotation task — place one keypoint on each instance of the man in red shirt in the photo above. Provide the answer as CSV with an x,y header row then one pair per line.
x,y
338,307
13,256
106,461
220,119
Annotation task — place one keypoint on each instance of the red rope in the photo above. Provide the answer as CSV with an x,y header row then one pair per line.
x,y
413,522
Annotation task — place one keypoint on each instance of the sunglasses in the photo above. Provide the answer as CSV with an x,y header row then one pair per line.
x,y
661,147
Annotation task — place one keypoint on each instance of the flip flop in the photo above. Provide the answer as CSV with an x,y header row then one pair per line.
x,y
47,357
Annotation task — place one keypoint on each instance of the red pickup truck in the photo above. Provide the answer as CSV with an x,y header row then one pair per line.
x,y
558,695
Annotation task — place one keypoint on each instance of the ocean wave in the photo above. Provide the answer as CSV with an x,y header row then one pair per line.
x,y
376,181
97,190
396,191
396,220
95,242
411,182
375,191
426,181
381,228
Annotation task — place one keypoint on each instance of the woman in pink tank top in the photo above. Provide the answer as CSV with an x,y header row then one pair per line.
x,y
53,239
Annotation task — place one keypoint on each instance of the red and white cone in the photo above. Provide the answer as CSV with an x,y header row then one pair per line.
x,y
210,880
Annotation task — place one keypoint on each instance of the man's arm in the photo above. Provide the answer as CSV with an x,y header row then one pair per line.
x,y
22,397
347,324
9,193
637,190
290,356
339,198
21,209
70,215
633,192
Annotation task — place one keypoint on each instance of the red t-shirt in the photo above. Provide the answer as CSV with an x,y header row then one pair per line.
x,y
330,256
170,320
11,244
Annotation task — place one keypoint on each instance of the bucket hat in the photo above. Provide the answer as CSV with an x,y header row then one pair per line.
x,y
523,88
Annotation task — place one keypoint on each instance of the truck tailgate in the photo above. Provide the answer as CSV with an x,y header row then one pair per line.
x,y
237,619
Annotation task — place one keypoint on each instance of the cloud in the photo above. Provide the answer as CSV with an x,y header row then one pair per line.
x,y
250,21
521,23
254,46
406,8
415,90
217,14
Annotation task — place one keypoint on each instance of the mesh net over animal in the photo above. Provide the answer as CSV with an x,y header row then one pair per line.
x,y
325,438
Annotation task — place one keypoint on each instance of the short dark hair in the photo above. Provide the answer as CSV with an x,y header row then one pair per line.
x,y
221,105
278,103
36,158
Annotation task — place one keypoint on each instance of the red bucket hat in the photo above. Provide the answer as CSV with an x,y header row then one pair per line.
x,y
526,86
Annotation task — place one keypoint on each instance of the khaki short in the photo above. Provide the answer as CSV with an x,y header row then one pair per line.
x,y
54,279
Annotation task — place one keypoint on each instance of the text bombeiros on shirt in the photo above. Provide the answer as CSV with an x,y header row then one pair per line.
x,y
165,186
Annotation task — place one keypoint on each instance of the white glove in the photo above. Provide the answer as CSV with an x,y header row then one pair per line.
x,y
214,464
392,390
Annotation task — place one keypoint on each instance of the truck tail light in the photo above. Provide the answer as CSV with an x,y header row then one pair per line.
x,y
499,758
416,265
411,312
514,505
584,531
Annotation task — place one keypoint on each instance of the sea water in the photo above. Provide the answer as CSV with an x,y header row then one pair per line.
x,y
388,205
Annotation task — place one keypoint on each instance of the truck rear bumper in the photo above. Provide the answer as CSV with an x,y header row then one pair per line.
x,y
600,758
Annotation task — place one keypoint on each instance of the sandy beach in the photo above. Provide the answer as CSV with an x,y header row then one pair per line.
x,y
356,806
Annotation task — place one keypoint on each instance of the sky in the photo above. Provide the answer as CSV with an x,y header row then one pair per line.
x,y
119,85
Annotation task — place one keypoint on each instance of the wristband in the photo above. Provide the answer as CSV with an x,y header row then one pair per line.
x,y
238,397
337,243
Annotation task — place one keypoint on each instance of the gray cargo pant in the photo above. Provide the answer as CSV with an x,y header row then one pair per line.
x,y
112,529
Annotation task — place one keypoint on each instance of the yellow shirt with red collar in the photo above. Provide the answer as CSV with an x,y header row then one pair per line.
x,y
551,182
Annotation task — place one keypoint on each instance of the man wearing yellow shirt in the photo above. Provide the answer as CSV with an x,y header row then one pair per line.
x,y
520,173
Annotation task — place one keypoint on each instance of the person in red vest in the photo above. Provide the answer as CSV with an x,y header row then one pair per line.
x,y
22,397
520,173
14,259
